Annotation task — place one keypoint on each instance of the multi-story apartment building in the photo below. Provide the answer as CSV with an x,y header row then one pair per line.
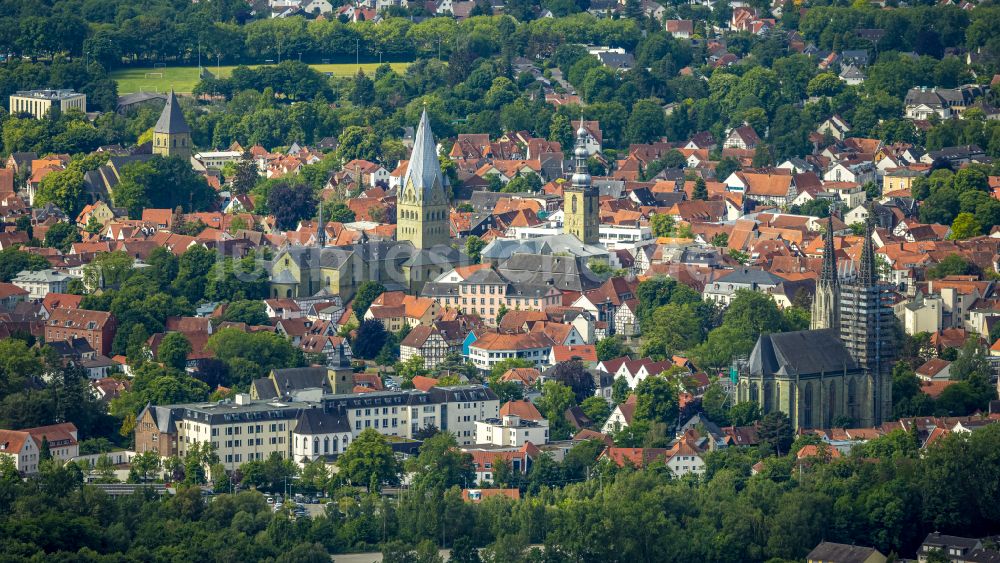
x,y
96,327
312,425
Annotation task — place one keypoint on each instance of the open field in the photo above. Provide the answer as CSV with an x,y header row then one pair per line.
x,y
183,78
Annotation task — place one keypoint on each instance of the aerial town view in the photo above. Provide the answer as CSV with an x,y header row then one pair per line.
x,y
500,281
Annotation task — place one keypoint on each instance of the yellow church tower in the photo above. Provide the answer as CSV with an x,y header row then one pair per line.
x,y
422,213
171,134
581,199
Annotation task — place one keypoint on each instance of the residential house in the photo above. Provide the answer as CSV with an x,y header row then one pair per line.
x,y
723,290
743,137
21,447
40,283
621,417
433,342
829,552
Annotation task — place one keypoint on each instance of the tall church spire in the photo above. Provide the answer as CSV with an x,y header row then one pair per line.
x,y
422,215
866,328
826,302
171,134
321,230
867,271
829,273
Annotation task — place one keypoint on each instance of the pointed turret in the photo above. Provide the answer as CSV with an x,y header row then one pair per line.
x,y
171,121
171,134
829,273
424,169
422,215
867,271
826,302
321,227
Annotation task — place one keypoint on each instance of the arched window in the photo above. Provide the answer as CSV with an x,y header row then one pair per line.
x,y
852,399
315,445
288,293
768,397
831,395
807,405
326,445
755,392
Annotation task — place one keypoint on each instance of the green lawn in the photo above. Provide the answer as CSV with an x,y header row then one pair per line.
x,y
184,78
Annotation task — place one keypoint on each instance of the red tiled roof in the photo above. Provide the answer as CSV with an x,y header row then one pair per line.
x,y
523,408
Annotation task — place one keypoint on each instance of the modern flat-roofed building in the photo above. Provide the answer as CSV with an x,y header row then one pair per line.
x,y
39,102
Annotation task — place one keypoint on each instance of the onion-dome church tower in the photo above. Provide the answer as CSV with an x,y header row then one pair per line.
x,y
580,198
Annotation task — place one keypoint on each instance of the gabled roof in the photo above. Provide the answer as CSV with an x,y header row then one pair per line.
x,y
801,352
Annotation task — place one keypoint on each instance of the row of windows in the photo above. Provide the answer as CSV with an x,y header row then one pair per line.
x,y
368,423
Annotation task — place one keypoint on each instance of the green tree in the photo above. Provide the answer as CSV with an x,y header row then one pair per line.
x,y
647,122
245,175
61,236
363,90
611,347
370,461
441,464
597,409
174,350
368,291
251,312
14,260
555,399
144,466
964,226
700,190
662,225
64,188
473,246
775,431
370,340
656,400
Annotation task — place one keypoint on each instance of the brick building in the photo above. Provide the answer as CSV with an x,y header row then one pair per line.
x,y
96,327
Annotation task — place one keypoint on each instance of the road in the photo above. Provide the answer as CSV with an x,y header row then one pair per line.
x,y
375,557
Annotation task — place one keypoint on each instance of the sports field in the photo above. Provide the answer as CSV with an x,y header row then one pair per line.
x,y
183,78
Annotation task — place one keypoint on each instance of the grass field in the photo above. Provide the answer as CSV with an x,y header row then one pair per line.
x,y
183,78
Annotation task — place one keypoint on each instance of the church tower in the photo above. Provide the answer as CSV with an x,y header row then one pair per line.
x,y
580,199
171,134
422,215
867,331
826,303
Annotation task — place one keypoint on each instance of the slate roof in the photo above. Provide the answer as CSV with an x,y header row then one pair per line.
x,y
424,169
804,352
318,421
172,118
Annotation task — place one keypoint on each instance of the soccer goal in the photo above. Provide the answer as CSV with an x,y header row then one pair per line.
x,y
154,75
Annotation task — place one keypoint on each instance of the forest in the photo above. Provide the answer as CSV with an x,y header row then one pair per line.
x,y
887,493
